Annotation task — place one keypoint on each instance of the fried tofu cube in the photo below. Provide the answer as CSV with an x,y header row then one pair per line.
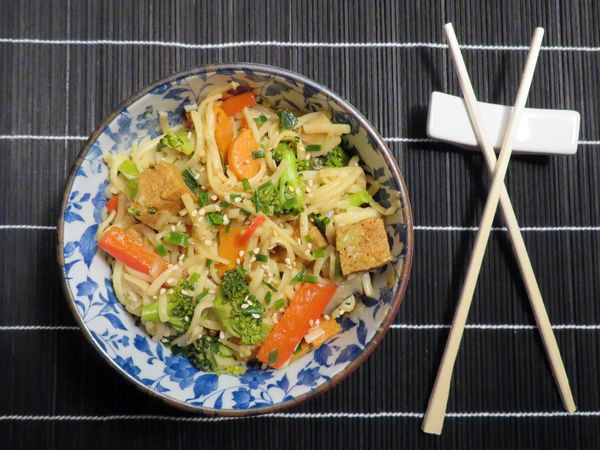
x,y
316,238
362,246
159,190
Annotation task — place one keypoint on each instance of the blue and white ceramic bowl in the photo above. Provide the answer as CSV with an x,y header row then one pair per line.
x,y
116,334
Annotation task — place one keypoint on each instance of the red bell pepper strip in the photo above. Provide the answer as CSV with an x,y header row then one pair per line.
x,y
307,305
237,103
112,204
260,219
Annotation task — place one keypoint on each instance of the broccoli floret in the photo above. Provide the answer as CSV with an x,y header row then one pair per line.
x,y
320,221
242,322
180,306
177,140
210,355
301,164
287,197
335,158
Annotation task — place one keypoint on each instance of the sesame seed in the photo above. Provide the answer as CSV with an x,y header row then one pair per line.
x,y
163,291
238,200
252,259
256,251
207,242
186,318
214,198
194,213
256,316
317,322
245,305
237,260
309,245
326,317
202,211
288,261
179,223
173,228
196,176
217,208
275,318
307,157
171,281
181,257
249,302
225,219
241,253
221,335
310,183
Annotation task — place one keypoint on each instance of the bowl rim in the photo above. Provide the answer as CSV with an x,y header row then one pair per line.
x,y
379,144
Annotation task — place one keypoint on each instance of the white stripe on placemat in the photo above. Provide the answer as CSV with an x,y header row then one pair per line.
x,y
38,327
302,416
292,44
27,227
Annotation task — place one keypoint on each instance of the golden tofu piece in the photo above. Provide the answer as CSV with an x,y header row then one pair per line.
x,y
316,238
159,189
362,246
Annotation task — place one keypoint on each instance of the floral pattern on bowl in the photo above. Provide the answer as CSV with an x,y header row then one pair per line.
x,y
118,336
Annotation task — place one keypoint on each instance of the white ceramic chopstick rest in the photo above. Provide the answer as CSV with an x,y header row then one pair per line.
x,y
541,131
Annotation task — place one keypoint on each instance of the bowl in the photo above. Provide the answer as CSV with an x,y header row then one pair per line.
x,y
118,336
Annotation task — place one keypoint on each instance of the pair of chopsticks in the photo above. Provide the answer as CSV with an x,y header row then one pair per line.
x,y
434,416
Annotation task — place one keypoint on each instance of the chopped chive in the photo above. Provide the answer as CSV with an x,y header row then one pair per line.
x,y
245,212
246,184
214,218
313,148
227,227
298,277
264,185
224,204
261,258
232,197
268,298
319,253
257,155
260,120
308,239
189,178
177,238
279,304
208,263
161,249
203,198
269,285
202,294
273,356
310,278
298,348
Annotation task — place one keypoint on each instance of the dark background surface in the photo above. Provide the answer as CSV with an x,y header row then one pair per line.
x,y
55,391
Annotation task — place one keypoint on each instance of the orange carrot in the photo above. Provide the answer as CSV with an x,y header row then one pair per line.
x,y
223,131
123,246
235,104
112,204
308,304
239,155
230,244
330,328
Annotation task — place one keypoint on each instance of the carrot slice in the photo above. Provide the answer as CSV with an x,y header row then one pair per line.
x,y
123,246
308,304
112,204
330,328
230,244
239,155
235,104
223,131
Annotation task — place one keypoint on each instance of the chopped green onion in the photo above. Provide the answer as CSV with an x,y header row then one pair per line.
x,y
246,184
264,185
177,238
193,279
298,277
257,155
273,356
268,298
203,199
260,120
151,210
134,212
319,253
224,204
308,239
313,148
310,278
279,304
227,227
208,263
261,258
245,212
263,142
202,294
298,348
161,249
129,169
190,180
287,120
269,285
131,189
214,218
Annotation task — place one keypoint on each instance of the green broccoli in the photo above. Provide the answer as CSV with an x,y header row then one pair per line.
x,y
177,140
320,221
239,312
287,197
180,306
301,164
210,355
335,158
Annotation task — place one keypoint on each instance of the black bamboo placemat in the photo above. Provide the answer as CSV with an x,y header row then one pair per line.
x,y
66,64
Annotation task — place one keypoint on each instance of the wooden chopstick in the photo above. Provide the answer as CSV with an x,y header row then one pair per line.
x,y
436,410
531,284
